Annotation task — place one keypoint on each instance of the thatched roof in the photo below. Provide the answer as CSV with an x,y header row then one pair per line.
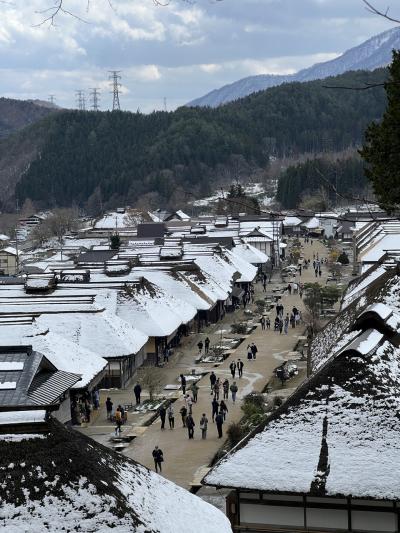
x,y
64,481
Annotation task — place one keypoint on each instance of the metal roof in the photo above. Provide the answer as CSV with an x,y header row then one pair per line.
x,y
47,387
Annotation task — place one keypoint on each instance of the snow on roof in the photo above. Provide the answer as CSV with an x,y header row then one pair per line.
x,y
22,417
4,237
182,215
337,435
8,385
313,223
357,288
250,253
291,221
178,286
379,246
153,310
108,492
6,366
9,250
59,350
380,309
102,333
219,271
112,220
246,270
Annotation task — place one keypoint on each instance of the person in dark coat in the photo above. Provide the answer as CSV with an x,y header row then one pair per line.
x,y
206,345
109,407
240,366
183,412
215,408
232,368
223,409
162,412
200,346
254,350
219,420
137,389
158,458
213,379
225,386
183,383
190,426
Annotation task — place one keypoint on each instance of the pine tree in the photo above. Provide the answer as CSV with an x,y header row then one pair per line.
x,y
381,150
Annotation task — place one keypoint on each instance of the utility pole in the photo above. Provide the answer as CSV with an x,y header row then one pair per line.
x,y
80,99
114,77
95,96
52,99
165,103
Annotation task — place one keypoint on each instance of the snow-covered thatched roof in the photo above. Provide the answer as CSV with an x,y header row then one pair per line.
x,y
64,481
339,433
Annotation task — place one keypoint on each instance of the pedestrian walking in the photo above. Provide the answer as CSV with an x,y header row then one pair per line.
x,y
215,408
254,350
217,388
268,323
183,412
137,389
171,416
225,387
234,389
249,352
262,320
158,457
280,326
109,408
293,320
219,420
163,413
200,346
213,379
96,399
190,425
183,383
264,286
232,368
189,403
286,324
195,390
223,409
240,366
118,421
203,425
289,288
206,345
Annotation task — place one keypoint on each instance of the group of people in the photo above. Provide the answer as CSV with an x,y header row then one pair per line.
x,y
282,323
216,383
206,345
252,351
119,416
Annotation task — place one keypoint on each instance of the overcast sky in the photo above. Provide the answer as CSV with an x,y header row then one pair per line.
x,y
180,51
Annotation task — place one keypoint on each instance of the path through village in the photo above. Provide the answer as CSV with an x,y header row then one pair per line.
x,y
183,457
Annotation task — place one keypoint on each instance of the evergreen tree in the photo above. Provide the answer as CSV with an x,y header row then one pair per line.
x,y
381,150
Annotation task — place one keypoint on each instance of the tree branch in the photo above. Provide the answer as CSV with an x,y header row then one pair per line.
x,y
375,11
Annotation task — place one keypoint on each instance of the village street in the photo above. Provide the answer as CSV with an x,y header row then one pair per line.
x,y
184,457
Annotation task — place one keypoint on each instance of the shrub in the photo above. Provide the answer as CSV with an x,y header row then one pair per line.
x,y
343,258
235,433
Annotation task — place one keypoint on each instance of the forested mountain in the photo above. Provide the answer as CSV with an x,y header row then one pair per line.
x,y
128,155
369,55
346,176
16,114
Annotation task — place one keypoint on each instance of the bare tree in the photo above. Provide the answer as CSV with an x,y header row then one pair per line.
x,y
151,379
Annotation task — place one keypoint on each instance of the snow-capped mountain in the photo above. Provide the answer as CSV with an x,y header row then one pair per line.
x,y
374,53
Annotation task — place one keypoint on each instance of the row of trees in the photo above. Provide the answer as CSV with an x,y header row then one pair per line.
x,y
319,183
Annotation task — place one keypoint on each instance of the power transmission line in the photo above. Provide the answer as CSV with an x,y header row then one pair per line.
x,y
52,99
114,77
95,97
80,99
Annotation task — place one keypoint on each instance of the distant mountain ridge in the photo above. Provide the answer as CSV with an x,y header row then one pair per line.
x,y
373,53
17,114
